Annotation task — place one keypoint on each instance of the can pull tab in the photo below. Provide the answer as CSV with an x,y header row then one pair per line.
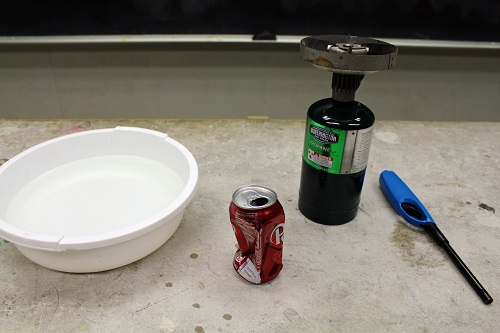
x,y
255,199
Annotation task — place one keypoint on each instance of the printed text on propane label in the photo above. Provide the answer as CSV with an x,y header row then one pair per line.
x,y
324,161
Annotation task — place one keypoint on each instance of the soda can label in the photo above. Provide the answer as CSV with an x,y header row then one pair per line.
x,y
246,268
258,222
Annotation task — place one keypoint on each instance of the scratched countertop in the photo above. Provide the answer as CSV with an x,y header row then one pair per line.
x,y
373,274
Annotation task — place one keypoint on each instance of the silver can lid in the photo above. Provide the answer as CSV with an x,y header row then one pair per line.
x,y
254,197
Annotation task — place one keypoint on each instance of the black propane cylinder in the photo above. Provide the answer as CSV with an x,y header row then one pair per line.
x,y
336,147
339,129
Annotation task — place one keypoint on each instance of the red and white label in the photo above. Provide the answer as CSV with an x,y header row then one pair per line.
x,y
324,161
277,236
245,268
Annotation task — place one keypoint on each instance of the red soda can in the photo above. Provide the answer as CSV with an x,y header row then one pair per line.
x,y
258,222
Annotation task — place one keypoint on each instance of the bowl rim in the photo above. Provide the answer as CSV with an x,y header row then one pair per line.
x,y
50,242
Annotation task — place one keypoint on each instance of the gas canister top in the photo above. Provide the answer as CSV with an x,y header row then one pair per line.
x,y
348,54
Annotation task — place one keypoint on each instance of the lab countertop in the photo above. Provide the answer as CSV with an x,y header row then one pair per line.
x,y
373,274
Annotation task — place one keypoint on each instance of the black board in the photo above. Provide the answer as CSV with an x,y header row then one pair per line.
x,y
456,20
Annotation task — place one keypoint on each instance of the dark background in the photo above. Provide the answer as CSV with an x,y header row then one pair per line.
x,y
460,20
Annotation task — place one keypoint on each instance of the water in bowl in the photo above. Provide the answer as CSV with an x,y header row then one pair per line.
x,y
94,195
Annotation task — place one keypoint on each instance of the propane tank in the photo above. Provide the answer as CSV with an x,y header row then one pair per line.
x,y
339,129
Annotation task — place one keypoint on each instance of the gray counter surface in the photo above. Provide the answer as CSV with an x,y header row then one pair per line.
x,y
373,274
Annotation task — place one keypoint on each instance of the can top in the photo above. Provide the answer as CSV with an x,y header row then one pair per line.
x,y
254,197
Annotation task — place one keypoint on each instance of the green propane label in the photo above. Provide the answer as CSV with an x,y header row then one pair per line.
x,y
324,147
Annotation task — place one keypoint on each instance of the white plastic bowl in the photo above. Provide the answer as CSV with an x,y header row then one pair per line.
x,y
95,200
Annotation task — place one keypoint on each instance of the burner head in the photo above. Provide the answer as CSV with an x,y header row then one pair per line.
x,y
348,54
